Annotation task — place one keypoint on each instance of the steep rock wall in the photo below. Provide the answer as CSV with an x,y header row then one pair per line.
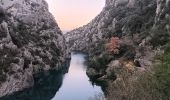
x,y
30,42
118,18
142,25
163,14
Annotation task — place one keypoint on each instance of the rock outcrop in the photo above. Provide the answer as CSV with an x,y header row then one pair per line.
x,y
30,42
135,21
118,18
142,25
163,14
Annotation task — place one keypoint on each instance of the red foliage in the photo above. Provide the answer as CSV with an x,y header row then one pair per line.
x,y
114,45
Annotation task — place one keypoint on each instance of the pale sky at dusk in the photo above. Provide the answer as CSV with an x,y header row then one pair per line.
x,y
71,14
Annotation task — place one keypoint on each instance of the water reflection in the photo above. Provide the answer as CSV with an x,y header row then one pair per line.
x,y
76,85
44,89
55,85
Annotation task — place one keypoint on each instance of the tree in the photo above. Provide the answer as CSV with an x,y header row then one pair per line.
x,y
114,45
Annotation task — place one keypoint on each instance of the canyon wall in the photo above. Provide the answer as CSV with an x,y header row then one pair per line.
x,y
118,17
30,42
143,27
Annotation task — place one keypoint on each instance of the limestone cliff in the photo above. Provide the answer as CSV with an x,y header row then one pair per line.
x,y
119,17
142,25
163,14
137,22
30,42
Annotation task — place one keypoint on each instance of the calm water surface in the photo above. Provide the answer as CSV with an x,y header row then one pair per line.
x,y
69,84
76,84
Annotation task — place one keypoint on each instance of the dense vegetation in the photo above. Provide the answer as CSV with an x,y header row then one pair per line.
x,y
149,85
162,75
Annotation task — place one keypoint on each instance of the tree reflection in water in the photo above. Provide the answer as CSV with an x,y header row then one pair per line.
x,y
45,88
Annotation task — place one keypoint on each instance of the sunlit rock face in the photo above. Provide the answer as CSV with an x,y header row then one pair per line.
x,y
30,42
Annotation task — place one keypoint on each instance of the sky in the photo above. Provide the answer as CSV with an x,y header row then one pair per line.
x,y
71,14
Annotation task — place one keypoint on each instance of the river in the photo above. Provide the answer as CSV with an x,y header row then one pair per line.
x,y
71,83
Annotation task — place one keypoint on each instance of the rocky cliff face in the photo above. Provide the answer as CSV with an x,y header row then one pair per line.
x,y
163,14
30,42
142,25
118,18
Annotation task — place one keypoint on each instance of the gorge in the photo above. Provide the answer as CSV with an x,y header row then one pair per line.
x,y
69,83
31,43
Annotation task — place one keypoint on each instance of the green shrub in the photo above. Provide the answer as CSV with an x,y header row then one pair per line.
x,y
159,37
162,75
100,63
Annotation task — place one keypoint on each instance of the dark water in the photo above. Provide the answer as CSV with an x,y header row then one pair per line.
x,y
71,83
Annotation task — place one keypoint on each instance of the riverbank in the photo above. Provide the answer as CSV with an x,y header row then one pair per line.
x,y
136,82
46,83
122,43
70,82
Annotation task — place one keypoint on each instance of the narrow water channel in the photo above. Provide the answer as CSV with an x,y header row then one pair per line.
x,y
76,84
71,83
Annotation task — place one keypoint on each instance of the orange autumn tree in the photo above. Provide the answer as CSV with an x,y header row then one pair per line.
x,y
114,45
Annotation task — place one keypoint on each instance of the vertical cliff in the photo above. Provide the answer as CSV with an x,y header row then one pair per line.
x,y
143,26
118,18
163,14
30,42
139,21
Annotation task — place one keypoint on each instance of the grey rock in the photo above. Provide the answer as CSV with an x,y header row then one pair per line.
x,y
163,13
118,18
30,42
128,20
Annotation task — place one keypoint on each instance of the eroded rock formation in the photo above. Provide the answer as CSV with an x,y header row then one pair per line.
x,y
122,18
142,25
119,17
30,42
